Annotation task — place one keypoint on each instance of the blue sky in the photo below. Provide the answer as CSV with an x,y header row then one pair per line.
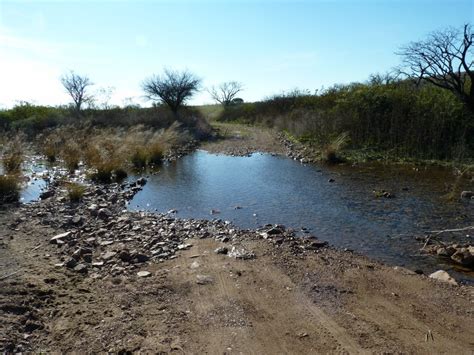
x,y
269,46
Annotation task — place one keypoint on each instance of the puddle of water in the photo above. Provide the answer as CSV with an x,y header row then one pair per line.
x,y
34,180
273,189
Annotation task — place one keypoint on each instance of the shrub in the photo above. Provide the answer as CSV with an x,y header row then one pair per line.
x,y
120,174
71,154
9,188
12,162
75,191
155,153
13,156
51,148
330,154
139,157
396,117
102,175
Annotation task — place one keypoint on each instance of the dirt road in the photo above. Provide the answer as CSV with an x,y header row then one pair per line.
x,y
204,302
238,139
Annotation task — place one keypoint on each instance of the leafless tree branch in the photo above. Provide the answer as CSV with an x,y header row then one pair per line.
x,y
225,92
76,85
444,59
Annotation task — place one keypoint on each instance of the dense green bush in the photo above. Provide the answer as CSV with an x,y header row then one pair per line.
x,y
397,117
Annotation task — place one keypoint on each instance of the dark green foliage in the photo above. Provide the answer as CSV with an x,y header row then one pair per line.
x,y
103,176
120,174
32,120
398,117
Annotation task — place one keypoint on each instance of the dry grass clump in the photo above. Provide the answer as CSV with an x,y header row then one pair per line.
x,y
110,152
139,157
75,191
148,148
52,147
13,156
71,154
105,152
156,152
9,188
330,154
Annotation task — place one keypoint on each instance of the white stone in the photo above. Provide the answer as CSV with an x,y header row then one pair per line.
x,y
442,275
144,274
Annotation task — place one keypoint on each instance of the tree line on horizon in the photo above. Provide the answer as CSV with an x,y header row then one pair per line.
x,y
430,98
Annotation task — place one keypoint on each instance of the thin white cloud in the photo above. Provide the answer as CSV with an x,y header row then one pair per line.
x,y
29,80
9,41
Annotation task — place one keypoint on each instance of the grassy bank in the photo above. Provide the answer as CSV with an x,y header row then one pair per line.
x,y
377,120
110,143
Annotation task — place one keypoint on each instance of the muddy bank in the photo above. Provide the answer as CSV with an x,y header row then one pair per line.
x,y
91,276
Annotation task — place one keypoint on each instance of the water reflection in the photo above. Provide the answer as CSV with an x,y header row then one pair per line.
x,y
344,212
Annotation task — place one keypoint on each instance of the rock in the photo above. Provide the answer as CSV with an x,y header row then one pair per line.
x,y
71,263
76,220
241,254
442,251
125,256
442,275
144,274
141,258
194,265
316,244
108,255
463,257
204,279
93,209
81,268
331,180
221,250
467,194
104,213
184,246
46,194
59,239
275,230
142,181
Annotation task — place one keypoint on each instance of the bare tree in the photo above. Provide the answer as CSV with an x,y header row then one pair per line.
x,y
103,96
444,59
226,92
172,88
76,85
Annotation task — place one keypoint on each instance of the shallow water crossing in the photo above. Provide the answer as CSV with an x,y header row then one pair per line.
x,y
336,204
